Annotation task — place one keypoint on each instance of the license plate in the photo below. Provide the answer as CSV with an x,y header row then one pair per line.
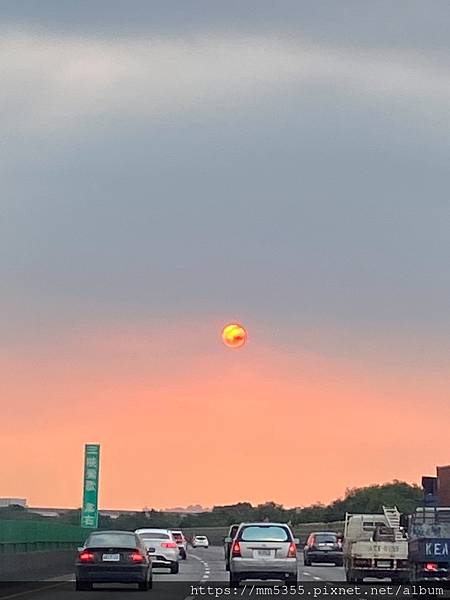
x,y
263,553
111,557
384,564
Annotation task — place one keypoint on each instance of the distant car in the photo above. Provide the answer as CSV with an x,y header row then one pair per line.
x,y
227,544
161,547
113,557
323,547
264,551
200,541
181,542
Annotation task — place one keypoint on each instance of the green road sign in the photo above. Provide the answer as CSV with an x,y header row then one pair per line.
x,y
89,512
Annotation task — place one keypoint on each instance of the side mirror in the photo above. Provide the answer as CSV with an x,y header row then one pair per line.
x,y
80,549
227,540
296,541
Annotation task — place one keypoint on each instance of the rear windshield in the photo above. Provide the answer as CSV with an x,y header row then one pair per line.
x,y
200,537
325,538
264,533
111,540
149,535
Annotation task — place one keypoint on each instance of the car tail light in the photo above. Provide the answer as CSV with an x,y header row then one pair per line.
x,y
236,550
363,562
169,545
86,556
137,557
431,567
292,552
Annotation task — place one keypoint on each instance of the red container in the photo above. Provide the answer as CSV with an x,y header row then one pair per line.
x,y
443,485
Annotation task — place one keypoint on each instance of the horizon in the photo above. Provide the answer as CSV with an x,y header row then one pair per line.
x,y
210,508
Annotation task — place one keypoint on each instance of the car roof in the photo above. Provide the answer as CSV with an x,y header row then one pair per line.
x,y
323,533
152,530
102,531
264,524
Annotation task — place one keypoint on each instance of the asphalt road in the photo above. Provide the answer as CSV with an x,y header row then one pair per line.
x,y
202,568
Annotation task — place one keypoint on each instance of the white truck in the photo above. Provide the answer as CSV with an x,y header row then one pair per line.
x,y
375,546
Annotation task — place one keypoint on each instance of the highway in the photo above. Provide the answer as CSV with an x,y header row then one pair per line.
x,y
203,567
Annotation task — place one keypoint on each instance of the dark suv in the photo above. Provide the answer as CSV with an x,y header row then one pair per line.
x,y
227,544
323,547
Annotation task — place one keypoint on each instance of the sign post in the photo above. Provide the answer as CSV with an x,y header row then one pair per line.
x,y
89,512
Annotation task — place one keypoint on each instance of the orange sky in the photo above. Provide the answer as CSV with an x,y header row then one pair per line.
x,y
183,420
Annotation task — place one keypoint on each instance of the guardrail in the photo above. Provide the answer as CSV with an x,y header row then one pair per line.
x,y
35,536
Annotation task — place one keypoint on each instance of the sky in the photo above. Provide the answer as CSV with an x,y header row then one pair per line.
x,y
168,167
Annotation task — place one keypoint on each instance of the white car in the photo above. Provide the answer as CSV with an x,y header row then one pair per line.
x,y
181,542
263,551
200,541
161,548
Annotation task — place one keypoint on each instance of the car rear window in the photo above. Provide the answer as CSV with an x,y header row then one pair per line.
x,y
200,537
264,533
111,540
149,535
325,538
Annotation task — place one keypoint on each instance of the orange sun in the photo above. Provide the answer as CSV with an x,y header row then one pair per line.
x,y
234,335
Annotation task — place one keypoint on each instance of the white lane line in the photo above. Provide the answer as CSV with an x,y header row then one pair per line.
x,y
35,590
318,578
207,570
69,577
307,574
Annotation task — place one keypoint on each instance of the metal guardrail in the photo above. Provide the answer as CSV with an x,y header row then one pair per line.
x,y
34,536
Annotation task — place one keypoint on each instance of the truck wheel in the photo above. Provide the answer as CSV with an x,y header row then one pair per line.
x,y
234,581
174,568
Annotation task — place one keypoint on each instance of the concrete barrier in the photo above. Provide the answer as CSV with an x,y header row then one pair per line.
x,y
36,566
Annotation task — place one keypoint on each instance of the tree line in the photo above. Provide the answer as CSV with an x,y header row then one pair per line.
x,y
368,499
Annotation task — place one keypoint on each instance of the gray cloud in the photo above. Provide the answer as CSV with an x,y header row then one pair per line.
x,y
403,24
223,172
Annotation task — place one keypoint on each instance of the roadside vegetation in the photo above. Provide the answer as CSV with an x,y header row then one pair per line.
x,y
367,499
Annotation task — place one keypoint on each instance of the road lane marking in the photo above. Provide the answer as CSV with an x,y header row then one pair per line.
x,y
207,570
33,591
